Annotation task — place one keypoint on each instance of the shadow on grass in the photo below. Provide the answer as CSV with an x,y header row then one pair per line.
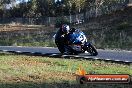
x,y
62,85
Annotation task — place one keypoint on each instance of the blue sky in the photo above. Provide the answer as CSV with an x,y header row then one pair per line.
x,y
56,0
18,1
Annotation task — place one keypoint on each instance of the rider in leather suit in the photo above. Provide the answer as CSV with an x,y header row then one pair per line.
x,y
61,37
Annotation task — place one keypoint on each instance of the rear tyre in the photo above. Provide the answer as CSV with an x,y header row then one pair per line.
x,y
68,50
61,49
60,45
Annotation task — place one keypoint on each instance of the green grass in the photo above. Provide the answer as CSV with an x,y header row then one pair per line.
x,y
19,71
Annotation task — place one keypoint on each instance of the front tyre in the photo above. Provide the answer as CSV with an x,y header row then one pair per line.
x,y
92,50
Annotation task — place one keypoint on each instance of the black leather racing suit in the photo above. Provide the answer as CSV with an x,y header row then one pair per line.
x,y
61,40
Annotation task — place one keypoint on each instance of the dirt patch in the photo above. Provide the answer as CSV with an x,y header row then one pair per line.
x,y
45,77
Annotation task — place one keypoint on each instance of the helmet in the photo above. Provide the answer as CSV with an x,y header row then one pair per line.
x,y
65,28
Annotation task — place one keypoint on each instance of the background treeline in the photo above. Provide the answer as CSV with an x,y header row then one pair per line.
x,y
107,23
53,8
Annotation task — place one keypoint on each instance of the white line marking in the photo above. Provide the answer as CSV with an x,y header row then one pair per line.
x,y
5,50
65,55
54,54
107,59
77,56
96,58
18,51
116,60
126,61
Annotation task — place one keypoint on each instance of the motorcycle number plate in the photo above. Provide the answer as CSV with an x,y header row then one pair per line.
x,y
77,47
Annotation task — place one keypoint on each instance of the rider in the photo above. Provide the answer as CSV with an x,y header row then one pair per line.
x,y
61,37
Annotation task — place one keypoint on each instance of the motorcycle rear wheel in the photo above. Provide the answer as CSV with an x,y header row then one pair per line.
x,y
69,50
61,48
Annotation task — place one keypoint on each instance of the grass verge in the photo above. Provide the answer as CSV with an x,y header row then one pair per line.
x,y
19,71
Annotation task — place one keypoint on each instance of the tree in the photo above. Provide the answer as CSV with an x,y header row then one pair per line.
x,y
3,6
33,9
79,4
42,7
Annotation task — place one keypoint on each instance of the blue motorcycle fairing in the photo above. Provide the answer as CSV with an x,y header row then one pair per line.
x,y
73,37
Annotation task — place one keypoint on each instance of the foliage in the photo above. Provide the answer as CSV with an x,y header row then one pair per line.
x,y
60,21
41,8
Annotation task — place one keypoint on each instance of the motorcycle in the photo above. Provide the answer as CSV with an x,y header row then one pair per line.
x,y
77,44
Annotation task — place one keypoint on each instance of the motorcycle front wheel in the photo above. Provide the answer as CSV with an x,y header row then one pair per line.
x,y
92,50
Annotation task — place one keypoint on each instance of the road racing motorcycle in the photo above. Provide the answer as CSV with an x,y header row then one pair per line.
x,y
77,44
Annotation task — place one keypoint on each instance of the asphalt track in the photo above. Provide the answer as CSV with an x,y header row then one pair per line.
x,y
107,55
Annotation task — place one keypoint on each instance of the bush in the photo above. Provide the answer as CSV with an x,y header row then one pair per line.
x,y
60,21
